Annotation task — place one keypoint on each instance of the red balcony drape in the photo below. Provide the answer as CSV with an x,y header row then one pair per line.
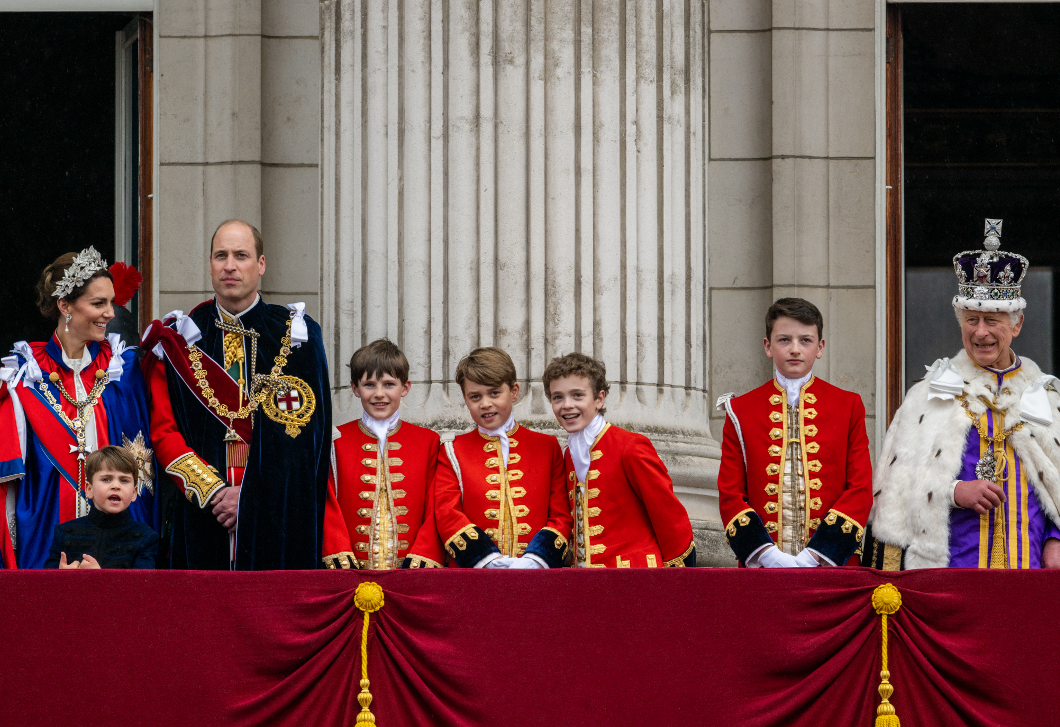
x,y
618,647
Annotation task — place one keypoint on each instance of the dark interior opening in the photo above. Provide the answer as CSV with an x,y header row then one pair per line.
x,y
981,117
57,124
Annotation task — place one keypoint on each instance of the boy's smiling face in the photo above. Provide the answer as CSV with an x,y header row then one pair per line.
x,y
490,406
793,346
111,491
574,403
381,394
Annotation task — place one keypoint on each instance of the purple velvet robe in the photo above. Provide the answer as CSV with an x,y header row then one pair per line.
x,y
1026,525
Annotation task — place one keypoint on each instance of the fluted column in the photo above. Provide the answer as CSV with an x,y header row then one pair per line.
x,y
530,175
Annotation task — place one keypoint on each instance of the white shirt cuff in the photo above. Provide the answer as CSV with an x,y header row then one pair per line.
x,y
536,558
752,559
488,559
953,491
823,558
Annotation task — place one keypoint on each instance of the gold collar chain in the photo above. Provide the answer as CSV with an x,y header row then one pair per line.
x,y
79,425
996,438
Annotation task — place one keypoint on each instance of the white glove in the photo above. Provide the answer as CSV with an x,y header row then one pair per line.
x,y
493,560
524,563
774,557
805,559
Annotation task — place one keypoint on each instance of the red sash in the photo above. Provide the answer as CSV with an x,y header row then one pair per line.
x,y
225,388
56,439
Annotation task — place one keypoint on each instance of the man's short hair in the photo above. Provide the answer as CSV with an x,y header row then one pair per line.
x,y
259,245
577,364
379,357
116,459
489,366
798,309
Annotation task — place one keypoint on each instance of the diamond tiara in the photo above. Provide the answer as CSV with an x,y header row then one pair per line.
x,y
87,263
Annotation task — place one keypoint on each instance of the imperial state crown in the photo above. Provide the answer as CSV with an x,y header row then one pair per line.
x,y
989,280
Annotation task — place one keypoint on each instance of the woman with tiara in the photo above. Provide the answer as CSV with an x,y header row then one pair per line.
x,y
63,398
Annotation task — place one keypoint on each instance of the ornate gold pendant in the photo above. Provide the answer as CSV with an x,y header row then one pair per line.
x,y
145,462
289,401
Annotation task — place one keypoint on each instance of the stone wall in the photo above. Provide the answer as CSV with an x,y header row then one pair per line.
x,y
792,184
238,93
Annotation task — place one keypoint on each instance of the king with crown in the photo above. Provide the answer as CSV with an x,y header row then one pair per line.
x,y
969,473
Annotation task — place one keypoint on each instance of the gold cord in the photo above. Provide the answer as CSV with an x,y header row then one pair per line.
x,y
886,600
368,598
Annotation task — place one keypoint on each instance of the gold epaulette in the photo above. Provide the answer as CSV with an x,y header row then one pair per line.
x,y
342,561
201,480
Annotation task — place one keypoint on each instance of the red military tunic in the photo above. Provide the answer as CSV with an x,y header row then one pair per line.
x,y
626,513
835,460
483,507
378,511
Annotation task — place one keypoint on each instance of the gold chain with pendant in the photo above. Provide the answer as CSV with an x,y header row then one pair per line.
x,y
79,425
262,388
996,438
994,463
266,387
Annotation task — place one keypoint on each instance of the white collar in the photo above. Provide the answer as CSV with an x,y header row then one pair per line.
x,y
502,434
380,427
77,365
237,316
579,444
793,386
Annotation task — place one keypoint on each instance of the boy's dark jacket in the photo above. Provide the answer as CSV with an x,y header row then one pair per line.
x,y
113,539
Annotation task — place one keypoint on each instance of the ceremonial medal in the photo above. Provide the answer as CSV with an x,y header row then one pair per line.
x,y
145,462
285,399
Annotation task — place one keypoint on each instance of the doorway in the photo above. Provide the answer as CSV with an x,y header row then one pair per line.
x,y
75,153
978,117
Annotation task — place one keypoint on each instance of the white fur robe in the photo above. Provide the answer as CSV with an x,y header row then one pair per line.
x,y
922,452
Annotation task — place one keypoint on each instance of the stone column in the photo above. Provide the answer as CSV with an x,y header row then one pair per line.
x,y
530,175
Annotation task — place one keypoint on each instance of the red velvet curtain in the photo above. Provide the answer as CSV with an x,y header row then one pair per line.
x,y
618,647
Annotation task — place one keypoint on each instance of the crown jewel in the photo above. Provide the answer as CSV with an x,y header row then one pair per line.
x,y
87,263
990,279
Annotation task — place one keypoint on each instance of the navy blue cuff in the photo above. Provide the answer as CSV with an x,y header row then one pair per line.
x,y
418,561
837,538
469,545
747,533
549,546
12,469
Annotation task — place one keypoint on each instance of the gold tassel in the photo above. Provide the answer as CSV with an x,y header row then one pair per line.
x,y
886,600
368,598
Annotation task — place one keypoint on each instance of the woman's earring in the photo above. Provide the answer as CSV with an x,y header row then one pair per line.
x,y
68,317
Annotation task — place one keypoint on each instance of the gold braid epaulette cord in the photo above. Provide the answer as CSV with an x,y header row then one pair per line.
x,y
886,600
201,480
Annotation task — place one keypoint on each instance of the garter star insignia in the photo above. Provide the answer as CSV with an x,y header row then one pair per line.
x,y
145,462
